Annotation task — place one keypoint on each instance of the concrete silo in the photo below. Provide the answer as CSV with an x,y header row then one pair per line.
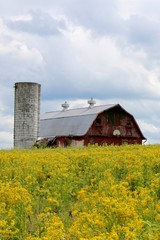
x,y
26,114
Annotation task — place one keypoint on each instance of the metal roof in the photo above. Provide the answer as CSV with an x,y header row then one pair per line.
x,y
77,111
74,122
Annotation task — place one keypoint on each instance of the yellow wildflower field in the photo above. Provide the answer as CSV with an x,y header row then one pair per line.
x,y
90,193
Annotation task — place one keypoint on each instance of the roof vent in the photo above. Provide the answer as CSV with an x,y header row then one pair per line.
x,y
65,106
91,102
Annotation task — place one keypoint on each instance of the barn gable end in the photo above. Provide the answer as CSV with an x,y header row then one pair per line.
x,y
115,126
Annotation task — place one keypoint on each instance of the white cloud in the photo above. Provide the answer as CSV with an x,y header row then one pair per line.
x,y
6,140
39,23
6,137
149,128
6,131
6,122
126,8
101,59
20,50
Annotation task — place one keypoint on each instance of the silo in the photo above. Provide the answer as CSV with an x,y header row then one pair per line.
x,y
26,114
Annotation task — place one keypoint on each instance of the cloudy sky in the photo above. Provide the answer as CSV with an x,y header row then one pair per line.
x,y
78,49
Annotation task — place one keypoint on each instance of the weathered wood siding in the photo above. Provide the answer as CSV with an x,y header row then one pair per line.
x,y
102,129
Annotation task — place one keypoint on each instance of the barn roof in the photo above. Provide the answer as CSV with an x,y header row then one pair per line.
x,y
73,122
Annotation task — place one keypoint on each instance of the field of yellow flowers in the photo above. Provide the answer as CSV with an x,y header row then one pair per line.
x,y
90,193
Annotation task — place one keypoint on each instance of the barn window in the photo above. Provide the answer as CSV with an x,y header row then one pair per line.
x,y
98,121
128,124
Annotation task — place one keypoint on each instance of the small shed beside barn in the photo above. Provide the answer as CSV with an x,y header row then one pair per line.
x,y
102,125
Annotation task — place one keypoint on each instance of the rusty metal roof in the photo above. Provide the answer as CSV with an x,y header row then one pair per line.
x,y
74,122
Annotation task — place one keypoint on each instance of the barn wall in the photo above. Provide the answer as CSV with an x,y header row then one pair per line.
x,y
100,140
69,141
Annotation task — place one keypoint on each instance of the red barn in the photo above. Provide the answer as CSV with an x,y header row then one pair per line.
x,y
105,124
